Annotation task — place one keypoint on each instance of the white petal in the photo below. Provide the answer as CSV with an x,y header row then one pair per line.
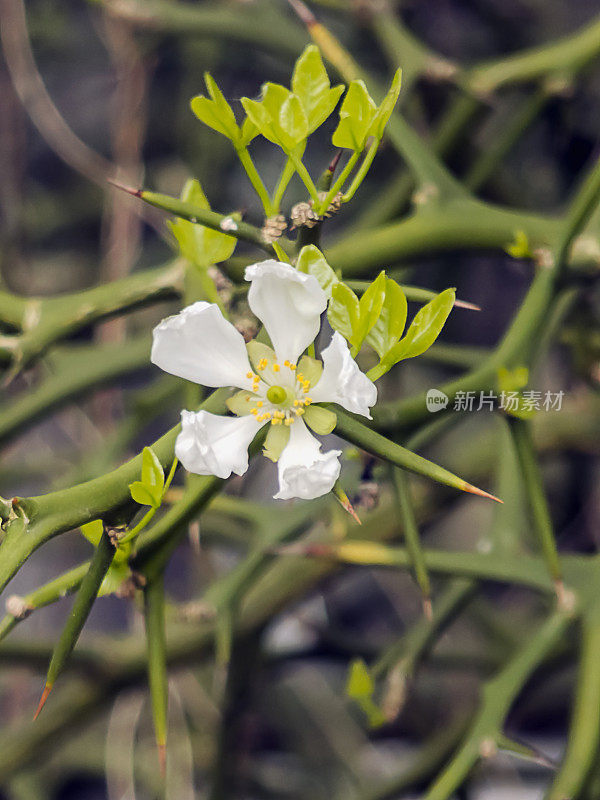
x,y
342,382
304,471
288,303
198,344
213,445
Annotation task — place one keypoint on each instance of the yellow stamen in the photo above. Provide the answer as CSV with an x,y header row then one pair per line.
x,y
275,421
249,374
286,363
260,404
299,412
254,410
292,367
307,401
276,367
288,420
296,402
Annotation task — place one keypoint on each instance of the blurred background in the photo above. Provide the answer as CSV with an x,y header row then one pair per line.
x,y
97,89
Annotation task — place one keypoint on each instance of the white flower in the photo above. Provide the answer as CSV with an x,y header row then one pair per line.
x,y
279,386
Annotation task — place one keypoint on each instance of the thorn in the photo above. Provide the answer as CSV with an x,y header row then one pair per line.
x,y
335,161
428,609
345,503
303,12
128,189
465,304
43,698
162,758
468,487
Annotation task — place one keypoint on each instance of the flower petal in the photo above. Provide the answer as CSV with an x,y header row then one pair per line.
x,y
288,303
342,381
198,344
303,470
213,445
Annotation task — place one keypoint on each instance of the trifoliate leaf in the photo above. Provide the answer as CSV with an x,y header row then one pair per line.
x,y
424,329
199,245
153,476
310,83
93,531
312,262
142,495
216,111
343,312
356,115
384,112
359,684
392,319
370,305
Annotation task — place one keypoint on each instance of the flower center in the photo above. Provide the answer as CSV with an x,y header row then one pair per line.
x,y
276,394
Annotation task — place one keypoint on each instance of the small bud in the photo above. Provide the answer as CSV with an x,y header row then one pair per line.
x,y
303,215
334,205
273,228
18,607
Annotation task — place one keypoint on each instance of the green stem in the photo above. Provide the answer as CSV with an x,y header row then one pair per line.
x,y
339,183
88,591
256,181
154,616
411,533
497,697
362,171
304,175
584,734
284,179
521,430
354,431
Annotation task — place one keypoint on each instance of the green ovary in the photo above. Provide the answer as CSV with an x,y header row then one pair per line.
x,y
277,395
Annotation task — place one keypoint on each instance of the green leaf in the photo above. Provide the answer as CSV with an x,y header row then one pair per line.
x,y
241,402
384,112
293,124
249,132
519,247
359,684
343,312
312,262
392,319
260,118
93,531
424,329
117,574
277,439
310,83
153,476
356,115
370,306
141,494
199,245
216,112
320,419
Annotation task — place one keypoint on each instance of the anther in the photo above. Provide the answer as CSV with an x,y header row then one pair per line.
x,y
249,374
276,367
288,420
260,404
307,401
